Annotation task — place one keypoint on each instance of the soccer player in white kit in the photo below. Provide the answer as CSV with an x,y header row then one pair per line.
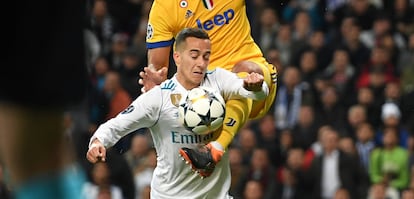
x,y
157,110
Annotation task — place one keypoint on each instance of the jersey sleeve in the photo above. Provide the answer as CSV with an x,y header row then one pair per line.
x,y
160,28
141,113
232,86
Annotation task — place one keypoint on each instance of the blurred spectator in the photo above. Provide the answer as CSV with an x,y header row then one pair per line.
x,y
285,44
389,164
138,38
356,116
127,13
143,174
332,112
103,25
130,68
366,98
290,177
391,116
97,75
377,71
347,145
247,141
406,66
100,185
363,11
116,52
392,93
341,74
98,102
316,43
407,194
331,22
402,16
286,142
311,7
410,150
262,171
308,65
302,29
320,84
273,56
268,139
335,169
121,174
349,39
237,170
342,194
119,98
288,99
254,10
253,190
382,26
317,145
304,132
269,25
93,48
365,144
382,191
137,153
393,49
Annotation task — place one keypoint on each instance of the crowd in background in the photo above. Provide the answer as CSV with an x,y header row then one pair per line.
x,y
342,125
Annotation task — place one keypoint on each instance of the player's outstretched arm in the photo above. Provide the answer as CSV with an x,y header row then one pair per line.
x,y
156,72
96,152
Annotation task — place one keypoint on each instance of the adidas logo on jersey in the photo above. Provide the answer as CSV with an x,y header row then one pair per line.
x,y
188,14
217,20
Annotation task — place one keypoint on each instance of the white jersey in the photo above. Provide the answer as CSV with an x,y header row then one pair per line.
x,y
157,110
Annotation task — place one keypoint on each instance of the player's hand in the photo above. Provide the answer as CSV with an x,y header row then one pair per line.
x,y
96,152
253,82
151,77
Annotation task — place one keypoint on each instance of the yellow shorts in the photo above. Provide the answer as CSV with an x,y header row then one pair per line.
x,y
259,108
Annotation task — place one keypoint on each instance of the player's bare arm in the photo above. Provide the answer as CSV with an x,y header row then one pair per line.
x,y
96,152
157,69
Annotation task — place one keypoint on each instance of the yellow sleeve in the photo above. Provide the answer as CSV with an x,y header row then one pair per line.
x,y
161,22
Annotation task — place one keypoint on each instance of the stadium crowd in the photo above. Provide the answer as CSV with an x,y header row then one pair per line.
x,y
342,125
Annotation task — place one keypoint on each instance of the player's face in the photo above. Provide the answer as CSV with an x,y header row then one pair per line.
x,y
192,61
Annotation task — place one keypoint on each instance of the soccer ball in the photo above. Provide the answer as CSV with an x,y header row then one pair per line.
x,y
203,110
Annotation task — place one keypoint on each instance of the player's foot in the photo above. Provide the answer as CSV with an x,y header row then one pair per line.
x,y
203,160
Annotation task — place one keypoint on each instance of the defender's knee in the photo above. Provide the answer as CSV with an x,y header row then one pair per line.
x,y
247,66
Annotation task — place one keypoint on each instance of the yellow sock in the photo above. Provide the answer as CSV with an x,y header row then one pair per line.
x,y
237,113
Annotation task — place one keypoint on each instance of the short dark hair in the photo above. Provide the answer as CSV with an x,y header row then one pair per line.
x,y
190,32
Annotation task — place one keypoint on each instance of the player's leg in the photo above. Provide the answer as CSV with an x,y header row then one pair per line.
x,y
261,107
237,113
203,161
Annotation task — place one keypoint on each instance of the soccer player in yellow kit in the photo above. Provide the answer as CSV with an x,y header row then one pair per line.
x,y
233,48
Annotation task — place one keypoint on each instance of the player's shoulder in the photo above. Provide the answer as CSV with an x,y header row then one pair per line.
x,y
217,72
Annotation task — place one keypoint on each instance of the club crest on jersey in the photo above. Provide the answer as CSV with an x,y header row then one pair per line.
x,y
183,3
208,4
188,14
175,99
